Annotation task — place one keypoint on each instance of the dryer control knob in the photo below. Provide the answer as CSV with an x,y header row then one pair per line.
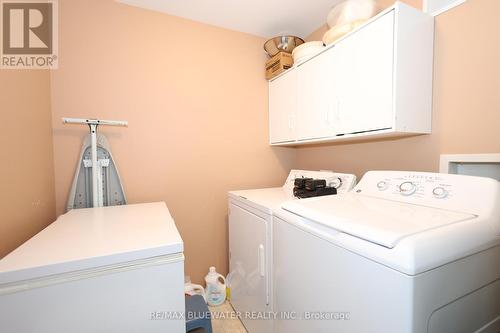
x,y
440,192
407,188
382,185
336,183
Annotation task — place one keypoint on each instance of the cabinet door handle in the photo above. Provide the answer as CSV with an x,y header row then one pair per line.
x,y
262,261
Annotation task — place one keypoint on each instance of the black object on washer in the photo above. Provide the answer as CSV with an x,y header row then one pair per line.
x,y
308,187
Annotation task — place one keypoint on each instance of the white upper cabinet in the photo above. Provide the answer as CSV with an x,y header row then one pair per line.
x,y
314,110
374,82
363,73
283,103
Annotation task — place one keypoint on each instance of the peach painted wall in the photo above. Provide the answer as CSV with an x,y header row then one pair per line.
x,y
466,103
27,203
196,101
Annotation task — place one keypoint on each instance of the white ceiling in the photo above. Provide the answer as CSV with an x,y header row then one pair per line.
x,y
266,18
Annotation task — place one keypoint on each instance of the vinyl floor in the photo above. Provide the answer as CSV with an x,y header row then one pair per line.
x,y
224,320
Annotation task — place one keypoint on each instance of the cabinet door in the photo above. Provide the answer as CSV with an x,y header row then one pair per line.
x,y
363,72
314,113
282,107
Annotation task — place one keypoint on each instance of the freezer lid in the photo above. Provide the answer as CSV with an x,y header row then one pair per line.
x,y
94,237
379,221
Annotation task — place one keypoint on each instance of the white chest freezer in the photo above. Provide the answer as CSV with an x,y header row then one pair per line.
x,y
108,269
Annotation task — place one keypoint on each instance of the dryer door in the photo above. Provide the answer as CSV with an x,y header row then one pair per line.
x,y
249,265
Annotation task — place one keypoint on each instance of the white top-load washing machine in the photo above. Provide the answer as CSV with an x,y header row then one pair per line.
x,y
107,269
403,252
250,245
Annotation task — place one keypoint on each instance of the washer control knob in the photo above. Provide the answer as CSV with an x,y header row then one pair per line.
x,y
336,182
440,192
382,185
407,188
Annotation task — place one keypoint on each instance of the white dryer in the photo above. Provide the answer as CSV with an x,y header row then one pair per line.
x,y
101,270
250,245
403,252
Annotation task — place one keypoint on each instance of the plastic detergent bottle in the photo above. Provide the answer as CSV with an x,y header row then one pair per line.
x,y
216,287
229,278
192,289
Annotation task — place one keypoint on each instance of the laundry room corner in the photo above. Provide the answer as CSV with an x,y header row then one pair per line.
x,y
222,166
27,170
196,130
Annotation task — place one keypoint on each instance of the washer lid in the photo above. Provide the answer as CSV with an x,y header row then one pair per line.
x,y
93,237
379,221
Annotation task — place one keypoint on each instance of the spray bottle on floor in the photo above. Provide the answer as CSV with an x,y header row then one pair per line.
x,y
216,287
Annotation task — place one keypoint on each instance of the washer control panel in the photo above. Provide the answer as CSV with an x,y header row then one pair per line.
x,y
447,191
417,185
479,196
